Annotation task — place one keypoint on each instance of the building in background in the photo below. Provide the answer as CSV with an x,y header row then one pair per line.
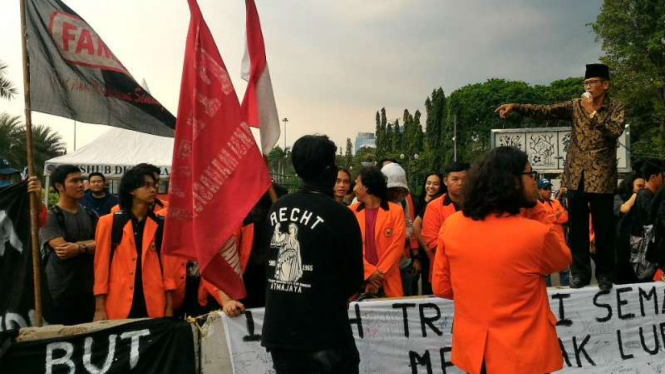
x,y
365,139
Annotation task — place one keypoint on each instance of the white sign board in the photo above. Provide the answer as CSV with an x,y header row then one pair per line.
x,y
547,147
620,331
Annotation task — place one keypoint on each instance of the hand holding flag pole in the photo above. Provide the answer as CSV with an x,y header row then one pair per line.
x,y
34,199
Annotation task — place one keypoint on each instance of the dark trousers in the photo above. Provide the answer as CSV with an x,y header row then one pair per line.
x,y
601,208
72,310
340,360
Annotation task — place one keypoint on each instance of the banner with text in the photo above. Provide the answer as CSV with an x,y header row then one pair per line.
x,y
160,346
617,331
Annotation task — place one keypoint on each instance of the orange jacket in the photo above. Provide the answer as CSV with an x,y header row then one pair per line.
x,y
435,214
390,235
494,270
163,206
554,206
118,286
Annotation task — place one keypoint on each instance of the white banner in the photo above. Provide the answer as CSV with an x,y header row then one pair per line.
x,y
620,331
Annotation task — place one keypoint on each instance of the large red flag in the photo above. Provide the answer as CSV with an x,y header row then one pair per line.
x,y
258,107
218,173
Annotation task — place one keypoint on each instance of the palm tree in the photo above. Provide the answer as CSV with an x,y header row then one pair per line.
x,y
10,128
46,144
7,89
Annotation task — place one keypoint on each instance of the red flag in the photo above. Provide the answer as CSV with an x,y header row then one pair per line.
x,y
218,173
258,106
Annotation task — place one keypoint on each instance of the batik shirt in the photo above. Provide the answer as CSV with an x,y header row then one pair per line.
x,y
592,150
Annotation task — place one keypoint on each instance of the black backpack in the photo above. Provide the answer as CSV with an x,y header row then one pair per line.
x,y
120,219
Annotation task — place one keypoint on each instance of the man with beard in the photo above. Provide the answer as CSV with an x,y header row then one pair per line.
x,y
98,198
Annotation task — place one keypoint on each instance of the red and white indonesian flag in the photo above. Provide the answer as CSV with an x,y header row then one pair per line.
x,y
218,172
258,106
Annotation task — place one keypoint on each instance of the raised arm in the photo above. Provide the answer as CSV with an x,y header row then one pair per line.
x,y
559,111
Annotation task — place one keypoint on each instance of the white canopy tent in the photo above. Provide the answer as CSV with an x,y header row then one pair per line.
x,y
115,151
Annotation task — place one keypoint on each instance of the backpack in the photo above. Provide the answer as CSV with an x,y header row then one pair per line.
x,y
120,219
640,246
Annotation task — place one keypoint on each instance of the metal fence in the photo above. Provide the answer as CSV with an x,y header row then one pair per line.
x,y
289,181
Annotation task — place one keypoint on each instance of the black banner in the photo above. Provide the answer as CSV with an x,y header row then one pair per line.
x,y
161,346
74,74
16,290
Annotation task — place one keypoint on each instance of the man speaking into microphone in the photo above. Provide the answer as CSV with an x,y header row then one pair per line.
x,y
590,172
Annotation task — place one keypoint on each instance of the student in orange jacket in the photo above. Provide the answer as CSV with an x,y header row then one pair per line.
x,y
385,220
559,216
443,207
496,277
131,280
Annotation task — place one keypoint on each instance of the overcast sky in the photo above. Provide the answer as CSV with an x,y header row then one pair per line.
x,y
334,63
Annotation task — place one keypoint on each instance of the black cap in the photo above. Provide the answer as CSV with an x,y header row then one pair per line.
x,y
601,71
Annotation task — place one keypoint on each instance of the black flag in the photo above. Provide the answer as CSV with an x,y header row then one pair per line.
x,y
16,291
74,74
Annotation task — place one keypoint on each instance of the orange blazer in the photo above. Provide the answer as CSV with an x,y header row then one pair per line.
x,y
496,279
116,280
390,234
435,214
554,206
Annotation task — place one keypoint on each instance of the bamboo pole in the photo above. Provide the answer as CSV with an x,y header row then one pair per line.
x,y
34,199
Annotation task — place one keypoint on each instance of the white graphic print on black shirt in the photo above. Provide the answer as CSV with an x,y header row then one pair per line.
x,y
289,262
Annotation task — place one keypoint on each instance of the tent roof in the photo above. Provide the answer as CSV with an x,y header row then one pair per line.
x,y
115,151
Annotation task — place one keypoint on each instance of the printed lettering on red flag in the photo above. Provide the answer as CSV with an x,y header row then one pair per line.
x,y
218,173
258,107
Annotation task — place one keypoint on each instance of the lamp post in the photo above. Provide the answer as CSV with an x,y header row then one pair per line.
x,y
285,120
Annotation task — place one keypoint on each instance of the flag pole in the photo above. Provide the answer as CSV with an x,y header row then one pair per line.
x,y
34,199
271,191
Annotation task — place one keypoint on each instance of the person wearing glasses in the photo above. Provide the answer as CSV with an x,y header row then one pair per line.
x,y
590,172
131,280
496,275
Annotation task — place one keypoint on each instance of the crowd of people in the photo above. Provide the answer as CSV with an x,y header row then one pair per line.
x,y
487,235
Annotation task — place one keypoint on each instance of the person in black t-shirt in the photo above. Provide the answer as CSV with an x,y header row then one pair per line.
x,y
314,265
639,214
68,248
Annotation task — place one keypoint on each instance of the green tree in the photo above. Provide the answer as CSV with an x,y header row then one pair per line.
x,y
633,39
349,153
10,129
435,105
473,106
379,133
46,144
419,136
561,90
396,138
382,147
7,88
